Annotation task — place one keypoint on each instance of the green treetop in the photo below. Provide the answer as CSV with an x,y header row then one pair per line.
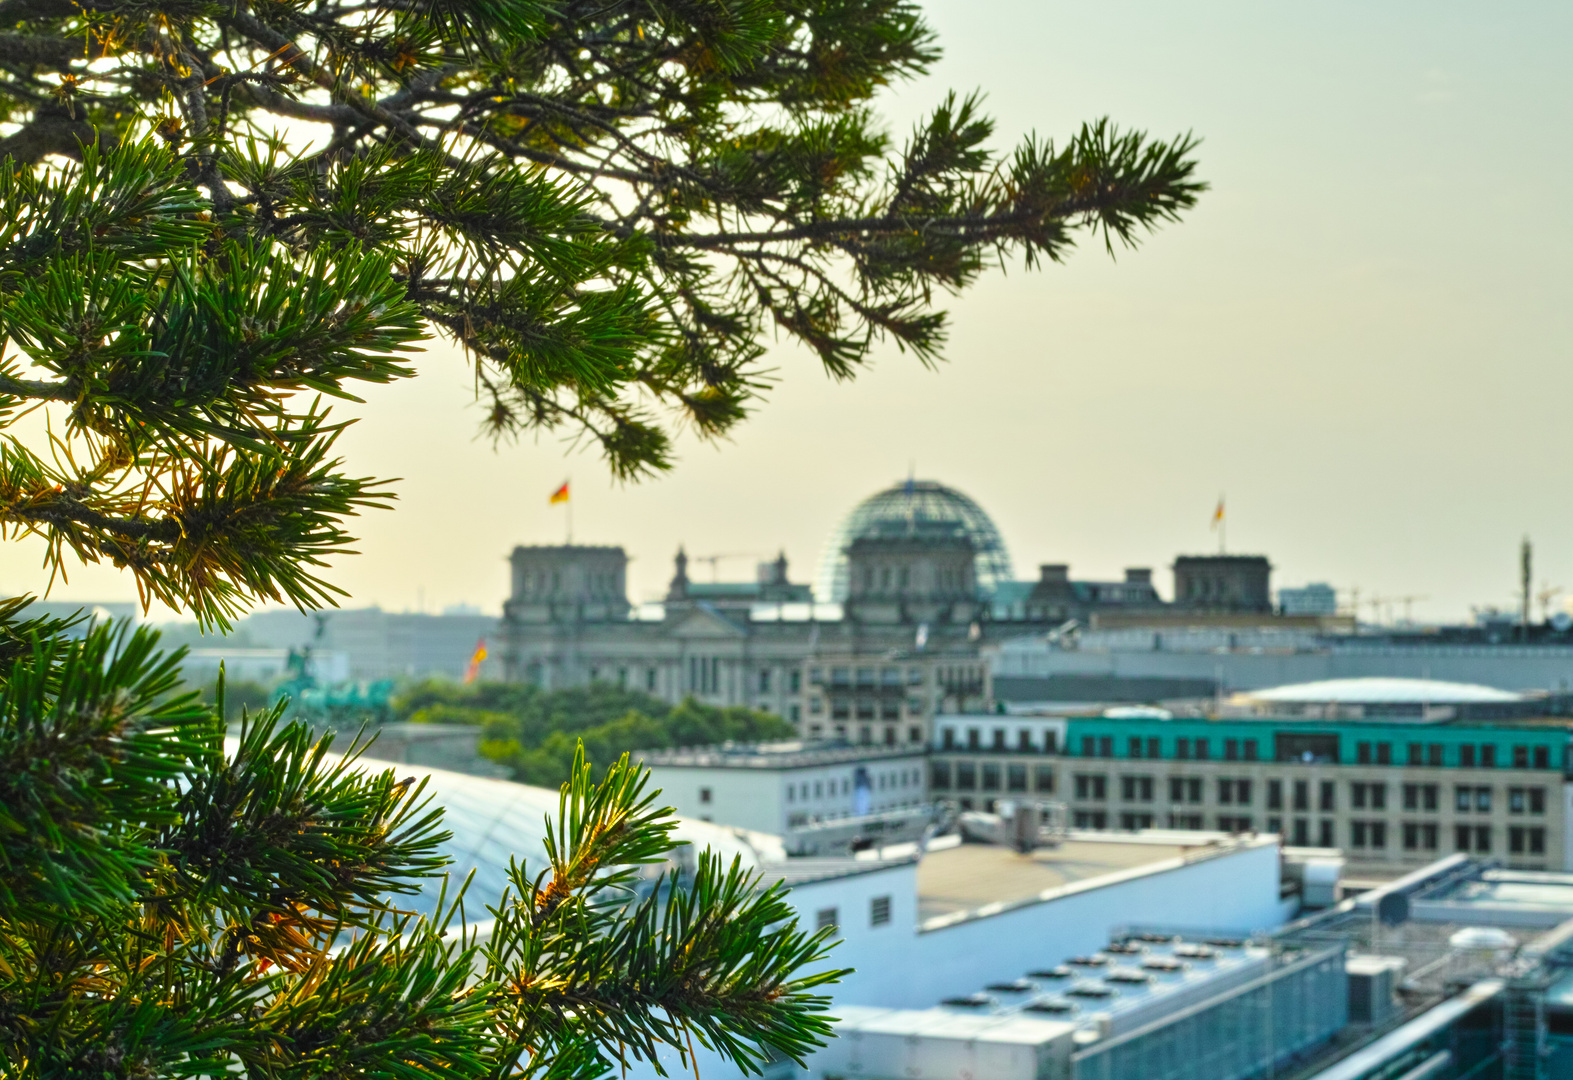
x,y
216,217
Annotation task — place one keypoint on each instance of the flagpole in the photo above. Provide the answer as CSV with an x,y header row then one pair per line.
x,y
569,502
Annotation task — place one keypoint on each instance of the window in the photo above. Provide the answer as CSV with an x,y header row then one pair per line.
x,y
1378,834
1201,749
1357,834
1483,799
1411,796
1015,778
1231,749
966,776
1542,757
1091,787
1428,796
1411,836
1226,791
1176,789
1302,795
939,776
1357,795
1135,747
1182,749
1384,755
1378,796
795,681
1537,800
1043,777
1516,800
879,911
1434,754
1024,741
649,679
1483,839
1051,742
1105,746
1466,758
1520,757
991,777
1302,832
1090,819
1363,754
1463,800
1133,822
1325,833
1185,821
1461,837
704,795
1428,835
1250,750
1153,750
1417,753
826,918
1136,788
1193,789
1328,798
999,738
1275,796
948,739
1488,758
1089,746
1275,825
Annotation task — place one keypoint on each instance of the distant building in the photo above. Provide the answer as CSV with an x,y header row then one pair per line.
x,y
1390,792
777,787
378,644
1223,583
1314,599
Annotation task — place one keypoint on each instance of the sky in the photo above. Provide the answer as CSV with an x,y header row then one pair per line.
x,y
1359,338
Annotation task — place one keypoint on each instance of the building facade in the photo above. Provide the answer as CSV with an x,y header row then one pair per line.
x,y
782,787
918,584
1389,795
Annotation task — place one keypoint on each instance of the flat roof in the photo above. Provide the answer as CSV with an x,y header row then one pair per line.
x,y
974,878
788,754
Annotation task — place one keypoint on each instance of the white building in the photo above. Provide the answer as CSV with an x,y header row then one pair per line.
x,y
782,787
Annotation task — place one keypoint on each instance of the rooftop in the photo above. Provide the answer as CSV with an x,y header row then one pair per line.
x,y
787,754
1381,691
981,879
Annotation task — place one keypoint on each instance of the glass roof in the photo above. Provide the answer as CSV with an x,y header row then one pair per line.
x,y
920,508
494,820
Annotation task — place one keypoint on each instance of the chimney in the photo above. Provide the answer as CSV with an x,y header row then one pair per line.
x,y
1138,575
1054,573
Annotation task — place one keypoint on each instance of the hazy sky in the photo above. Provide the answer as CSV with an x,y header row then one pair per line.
x,y
1357,336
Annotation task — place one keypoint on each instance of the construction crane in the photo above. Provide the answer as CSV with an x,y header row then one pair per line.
x,y
1546,594
713,560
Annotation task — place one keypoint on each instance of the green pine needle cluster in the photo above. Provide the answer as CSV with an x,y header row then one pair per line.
x,y
175,906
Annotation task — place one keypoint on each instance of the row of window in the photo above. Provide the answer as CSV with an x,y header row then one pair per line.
x,y
867,677
884,780
1325,749
950,739
866,708
988,776
1363,835
1363,794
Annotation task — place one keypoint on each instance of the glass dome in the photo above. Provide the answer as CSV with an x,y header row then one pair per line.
x,y
914,508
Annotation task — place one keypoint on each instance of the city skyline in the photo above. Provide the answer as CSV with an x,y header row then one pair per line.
x,y
1355,337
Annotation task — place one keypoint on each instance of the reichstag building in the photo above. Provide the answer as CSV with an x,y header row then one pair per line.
x,y
911,586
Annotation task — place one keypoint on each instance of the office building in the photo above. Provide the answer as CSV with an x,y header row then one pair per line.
x,y
1390,794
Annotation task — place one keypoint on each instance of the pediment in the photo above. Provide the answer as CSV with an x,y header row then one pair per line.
x,y
702,623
